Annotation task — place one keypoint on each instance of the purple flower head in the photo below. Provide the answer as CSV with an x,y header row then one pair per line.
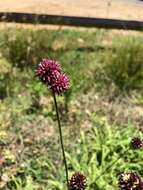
x,y
130,181
50,73
136,143
45,69
59,83
78,182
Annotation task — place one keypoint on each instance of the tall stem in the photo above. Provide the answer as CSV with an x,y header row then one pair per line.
x,y
61,139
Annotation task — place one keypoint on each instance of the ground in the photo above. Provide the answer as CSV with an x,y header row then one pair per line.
x,y
93,112
119,9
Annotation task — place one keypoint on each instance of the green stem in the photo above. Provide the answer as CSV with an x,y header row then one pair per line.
x,y
61,140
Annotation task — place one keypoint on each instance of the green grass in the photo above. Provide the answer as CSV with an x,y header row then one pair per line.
x,y
101,153
124,66
91,113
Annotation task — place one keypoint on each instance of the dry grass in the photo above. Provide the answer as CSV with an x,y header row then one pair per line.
x,y
108,8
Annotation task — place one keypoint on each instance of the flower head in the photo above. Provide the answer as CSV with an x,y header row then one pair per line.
x,y
46,68
50,73
136,143
130,181
59,83
77,182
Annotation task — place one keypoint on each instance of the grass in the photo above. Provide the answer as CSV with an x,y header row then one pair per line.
x,y
124,66
91,113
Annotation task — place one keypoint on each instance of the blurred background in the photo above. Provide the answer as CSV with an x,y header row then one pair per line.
x,y
100,113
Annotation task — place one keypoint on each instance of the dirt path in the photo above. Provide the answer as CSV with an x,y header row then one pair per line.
x,y
120,9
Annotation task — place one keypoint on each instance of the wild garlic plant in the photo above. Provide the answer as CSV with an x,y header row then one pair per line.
x,y
51,74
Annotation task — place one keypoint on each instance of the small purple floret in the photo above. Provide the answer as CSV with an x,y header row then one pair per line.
x,y
130,181
78,182
136,143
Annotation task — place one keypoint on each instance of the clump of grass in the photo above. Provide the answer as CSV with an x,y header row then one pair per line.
x,y
100,152
124,65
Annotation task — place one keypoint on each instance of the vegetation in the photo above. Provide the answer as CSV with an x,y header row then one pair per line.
x,y
124,65
100,113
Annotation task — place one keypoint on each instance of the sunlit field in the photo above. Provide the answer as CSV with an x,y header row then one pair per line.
x,y
100,113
